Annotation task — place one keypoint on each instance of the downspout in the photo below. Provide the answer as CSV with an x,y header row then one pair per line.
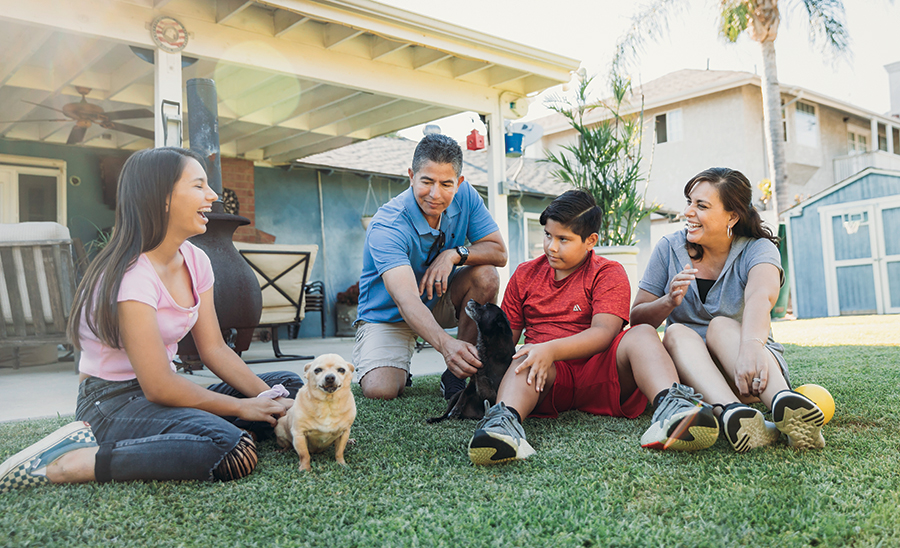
x,y
328,288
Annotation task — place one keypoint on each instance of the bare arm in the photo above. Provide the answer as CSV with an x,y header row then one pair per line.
x,y
489,250
653,310
760,296
461,357
146,352
591,341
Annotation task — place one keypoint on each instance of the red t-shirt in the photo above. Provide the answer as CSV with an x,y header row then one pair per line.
x,y
548,309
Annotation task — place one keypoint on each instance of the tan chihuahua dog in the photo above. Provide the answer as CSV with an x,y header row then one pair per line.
x,y
323,411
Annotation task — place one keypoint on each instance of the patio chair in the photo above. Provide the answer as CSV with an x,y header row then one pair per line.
x,y
36,286
315,301
282,271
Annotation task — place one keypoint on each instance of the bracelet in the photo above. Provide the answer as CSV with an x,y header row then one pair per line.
x,y
277,391
760,341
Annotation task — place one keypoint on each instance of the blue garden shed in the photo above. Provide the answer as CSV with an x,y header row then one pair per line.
x,y
844,247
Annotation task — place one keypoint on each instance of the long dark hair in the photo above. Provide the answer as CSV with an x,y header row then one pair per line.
x,y
736,193
146,182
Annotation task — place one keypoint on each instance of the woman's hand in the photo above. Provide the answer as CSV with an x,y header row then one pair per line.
x,y
286,402
538,361
260,410
751,374
680,284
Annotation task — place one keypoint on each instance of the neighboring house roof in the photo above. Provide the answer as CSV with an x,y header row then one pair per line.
x,y
686,84
391,157
797,209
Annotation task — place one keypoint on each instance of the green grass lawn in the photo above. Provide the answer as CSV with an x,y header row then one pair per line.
x,y
590,484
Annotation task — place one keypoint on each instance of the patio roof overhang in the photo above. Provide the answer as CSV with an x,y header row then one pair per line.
x,y
294,77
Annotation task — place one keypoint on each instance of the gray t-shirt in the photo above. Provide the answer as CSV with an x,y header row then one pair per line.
x,y
726,297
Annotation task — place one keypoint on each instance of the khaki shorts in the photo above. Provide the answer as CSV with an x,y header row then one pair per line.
x,y
392,344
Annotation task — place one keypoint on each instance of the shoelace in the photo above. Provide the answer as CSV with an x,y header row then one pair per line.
x,y
679,397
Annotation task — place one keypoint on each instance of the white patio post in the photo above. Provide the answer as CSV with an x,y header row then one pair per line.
x,y
497,201
167,87
874,146
889,133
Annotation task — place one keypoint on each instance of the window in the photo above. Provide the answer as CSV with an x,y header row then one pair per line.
x,y
534,236
668,126
882,137
806,125
32,189
857,143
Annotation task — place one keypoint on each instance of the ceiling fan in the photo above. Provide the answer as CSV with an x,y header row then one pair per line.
x,y
87,114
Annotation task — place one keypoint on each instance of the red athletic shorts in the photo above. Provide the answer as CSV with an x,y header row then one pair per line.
x,y
591,386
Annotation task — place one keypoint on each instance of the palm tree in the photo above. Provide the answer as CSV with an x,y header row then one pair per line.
x,y
760,18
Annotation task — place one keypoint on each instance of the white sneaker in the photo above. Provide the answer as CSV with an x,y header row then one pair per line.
x,y
499,437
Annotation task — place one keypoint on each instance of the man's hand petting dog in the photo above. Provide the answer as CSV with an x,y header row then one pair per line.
x,y
461,358
495,347
322,413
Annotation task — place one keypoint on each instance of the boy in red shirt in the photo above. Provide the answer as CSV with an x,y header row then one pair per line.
x,y
573,306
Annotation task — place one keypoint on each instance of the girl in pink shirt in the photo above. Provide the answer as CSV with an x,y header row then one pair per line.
x,y
138,419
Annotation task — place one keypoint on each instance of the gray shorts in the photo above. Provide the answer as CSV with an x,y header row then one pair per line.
x,y
392,344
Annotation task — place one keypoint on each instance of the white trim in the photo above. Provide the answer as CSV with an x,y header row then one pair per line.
x,y
39,166
527,216
877,241
789,233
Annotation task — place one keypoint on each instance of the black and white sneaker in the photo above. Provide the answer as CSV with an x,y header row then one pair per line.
x,y
451,384
746,428
799,419
29,466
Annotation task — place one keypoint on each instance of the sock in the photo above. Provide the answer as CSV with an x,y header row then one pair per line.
x,y
659,397
516,413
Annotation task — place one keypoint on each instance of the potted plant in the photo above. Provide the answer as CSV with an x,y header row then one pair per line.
x,y
606,161
345,311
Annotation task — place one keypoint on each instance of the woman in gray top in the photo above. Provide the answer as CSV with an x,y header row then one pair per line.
x,y
714,284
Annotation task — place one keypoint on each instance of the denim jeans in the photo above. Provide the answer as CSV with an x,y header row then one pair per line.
x,y
141,440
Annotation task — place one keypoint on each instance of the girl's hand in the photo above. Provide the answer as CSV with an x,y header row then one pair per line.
x,y
538,362
680,284
260,410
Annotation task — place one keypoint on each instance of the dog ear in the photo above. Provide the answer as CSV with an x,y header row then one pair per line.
x,y
351,366
306,368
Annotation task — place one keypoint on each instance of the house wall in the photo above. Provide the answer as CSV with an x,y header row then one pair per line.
x,y
805,241
84,203
287,206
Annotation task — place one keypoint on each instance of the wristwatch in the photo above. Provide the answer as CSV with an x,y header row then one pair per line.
x,y
463,254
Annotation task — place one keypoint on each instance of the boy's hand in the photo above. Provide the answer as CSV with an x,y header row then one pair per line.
x,y
539,361
680,283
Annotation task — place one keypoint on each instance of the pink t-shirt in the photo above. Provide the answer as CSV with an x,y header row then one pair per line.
x,y
141,283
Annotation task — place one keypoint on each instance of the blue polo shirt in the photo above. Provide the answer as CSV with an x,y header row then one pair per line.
x,y
399,235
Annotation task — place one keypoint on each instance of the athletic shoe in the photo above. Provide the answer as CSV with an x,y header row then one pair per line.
x,y
745,428
499,437
451,384
681,422
29,466
798,418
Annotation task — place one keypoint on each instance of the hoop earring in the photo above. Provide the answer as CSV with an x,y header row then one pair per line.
x,y
730,235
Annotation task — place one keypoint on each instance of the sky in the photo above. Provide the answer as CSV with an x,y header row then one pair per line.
x,y
587,30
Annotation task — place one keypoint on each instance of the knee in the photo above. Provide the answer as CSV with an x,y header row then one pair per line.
x,y
380,392
678,334
238,462
644,333
485,283
719,325
379,384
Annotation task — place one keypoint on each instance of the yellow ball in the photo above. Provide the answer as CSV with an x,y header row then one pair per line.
x,y
820,396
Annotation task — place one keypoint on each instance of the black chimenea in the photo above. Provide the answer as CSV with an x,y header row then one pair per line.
x,y
237,294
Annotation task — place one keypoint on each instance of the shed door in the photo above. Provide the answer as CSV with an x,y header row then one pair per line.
x,y
890,263
856,277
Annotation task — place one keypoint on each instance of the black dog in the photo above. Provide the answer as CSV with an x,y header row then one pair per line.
x,y
495,350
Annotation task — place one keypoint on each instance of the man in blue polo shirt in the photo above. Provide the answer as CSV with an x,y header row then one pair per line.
x,y
418,274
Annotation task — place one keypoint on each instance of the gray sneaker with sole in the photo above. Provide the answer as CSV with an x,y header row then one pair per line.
x,y
681,422
499,437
